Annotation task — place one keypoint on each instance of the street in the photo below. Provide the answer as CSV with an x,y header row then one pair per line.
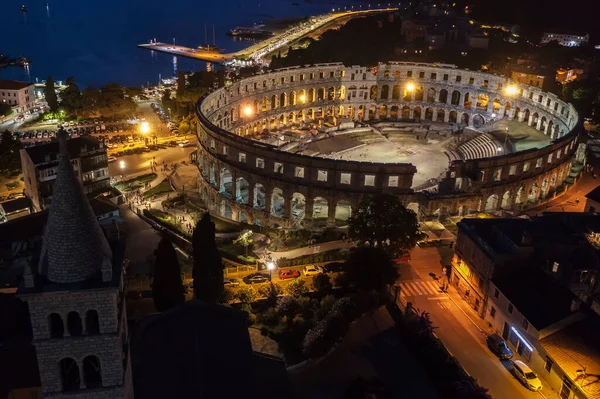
x,y
456,325
137,163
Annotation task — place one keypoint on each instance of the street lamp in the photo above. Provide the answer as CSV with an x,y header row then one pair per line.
x,y
270,267
511,90
410,87
122,166
145,127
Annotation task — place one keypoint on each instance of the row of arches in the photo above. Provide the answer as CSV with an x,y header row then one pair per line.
x,y
70,373
74,324
509,199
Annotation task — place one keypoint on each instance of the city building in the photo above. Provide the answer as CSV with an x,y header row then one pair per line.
x,y
14,209
567,75
535,314
526,76
592,201
565,39
40,165
19,95
564,245
74,290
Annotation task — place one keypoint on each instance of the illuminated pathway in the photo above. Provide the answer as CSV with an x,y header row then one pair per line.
x,y
259,50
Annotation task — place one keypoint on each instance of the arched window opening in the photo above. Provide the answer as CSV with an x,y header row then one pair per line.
x,y
57,327
91,372
69,374
74,324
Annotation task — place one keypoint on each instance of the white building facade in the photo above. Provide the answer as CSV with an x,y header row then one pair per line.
x,y
565,39
19,95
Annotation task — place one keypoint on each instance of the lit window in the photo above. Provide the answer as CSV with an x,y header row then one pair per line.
x,y
525,166
278,167
345,178
299,172
558,154
538,163
260,163
512,170
498,174
242,157
555,266
393,181
224,150
483,175
369,180
550,158
212,143
322,175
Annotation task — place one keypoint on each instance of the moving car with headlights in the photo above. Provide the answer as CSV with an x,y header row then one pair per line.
x,y
526,375
312,270
498,346
257,278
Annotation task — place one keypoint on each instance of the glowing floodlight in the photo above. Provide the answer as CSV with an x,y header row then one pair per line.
x,y
511,90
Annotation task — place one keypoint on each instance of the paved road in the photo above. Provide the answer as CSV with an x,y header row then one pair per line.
x,y
138,163
459,334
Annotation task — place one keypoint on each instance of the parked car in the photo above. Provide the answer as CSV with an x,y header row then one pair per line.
x,y
231,282
257,278
288,273
333,267
526,375
312,270
405,257
498,346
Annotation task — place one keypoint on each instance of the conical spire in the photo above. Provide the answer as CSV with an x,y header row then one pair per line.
x,y
75,248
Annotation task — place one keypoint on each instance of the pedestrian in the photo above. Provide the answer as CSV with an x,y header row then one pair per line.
x,y
577,200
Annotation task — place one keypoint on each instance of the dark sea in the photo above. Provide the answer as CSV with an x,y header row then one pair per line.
x,y
95,40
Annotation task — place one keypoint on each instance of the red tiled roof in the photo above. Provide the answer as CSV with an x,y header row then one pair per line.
x,y
13,84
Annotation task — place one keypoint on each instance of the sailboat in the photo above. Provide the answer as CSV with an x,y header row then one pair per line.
x,y
208,47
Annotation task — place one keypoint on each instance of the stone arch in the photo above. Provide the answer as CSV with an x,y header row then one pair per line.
x,y
431,95
302,97
442,213
429,114
453,116
343,211
298,208
416,208
56,325
92,375
382,112
526,115
320,210
543,122
478,121
406,112
464,118
385,92
396,92
69,374
321,94
444,96
312,95
265,104
360,115
419,94
283,99
533,193
331,94
496,104
342,91
463,210
226,180
507,109
373,92
545,187
351,111
372,112
74,325
92,324
491,204
455,100
553,181
482,102
417,113
506,200
242,190
520,197
260,197
394,112
277,203
225,209
293,98
441,114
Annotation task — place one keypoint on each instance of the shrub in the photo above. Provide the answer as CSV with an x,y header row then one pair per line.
x,y
271,291
297,288
324,307
269,317
288,306
322,284
246,295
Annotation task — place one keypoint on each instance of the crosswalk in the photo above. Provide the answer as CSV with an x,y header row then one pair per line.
x,y
419,288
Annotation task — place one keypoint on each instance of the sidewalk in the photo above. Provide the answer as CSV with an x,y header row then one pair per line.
x,y
313,249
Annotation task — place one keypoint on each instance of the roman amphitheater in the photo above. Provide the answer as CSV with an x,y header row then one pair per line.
x,y
302,146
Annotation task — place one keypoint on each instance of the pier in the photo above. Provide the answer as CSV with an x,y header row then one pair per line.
x,y
259,50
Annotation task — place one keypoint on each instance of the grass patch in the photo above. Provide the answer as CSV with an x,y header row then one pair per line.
x,y
237,254
162,188
166,220
328,256
135,183
13,185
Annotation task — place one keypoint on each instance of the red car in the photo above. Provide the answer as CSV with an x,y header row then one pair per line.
x,y
288,273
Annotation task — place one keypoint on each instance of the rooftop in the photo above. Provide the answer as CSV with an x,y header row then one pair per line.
x,y
75,148
16,205
540,299
594,195
13,84
574,348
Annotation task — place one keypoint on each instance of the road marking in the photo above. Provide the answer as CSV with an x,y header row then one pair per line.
x,y
418,288
438,298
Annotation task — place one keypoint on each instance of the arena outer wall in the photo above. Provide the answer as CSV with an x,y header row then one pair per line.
x,y
441,93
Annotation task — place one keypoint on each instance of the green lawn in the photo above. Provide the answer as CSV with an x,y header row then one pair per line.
x,y
162,188
135,183
237,253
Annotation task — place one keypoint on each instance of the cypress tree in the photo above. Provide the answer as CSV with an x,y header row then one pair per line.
x,y
167,289
50,95
208,269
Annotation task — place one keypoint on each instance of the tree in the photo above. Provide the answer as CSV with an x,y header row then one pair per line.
x,y
10,158
271,291
370,268
134,91
113,98
246,295
5,109
50,95
245,239
71,96
208,269
322,284
91,100
297,288
180,84
167,289
382,221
